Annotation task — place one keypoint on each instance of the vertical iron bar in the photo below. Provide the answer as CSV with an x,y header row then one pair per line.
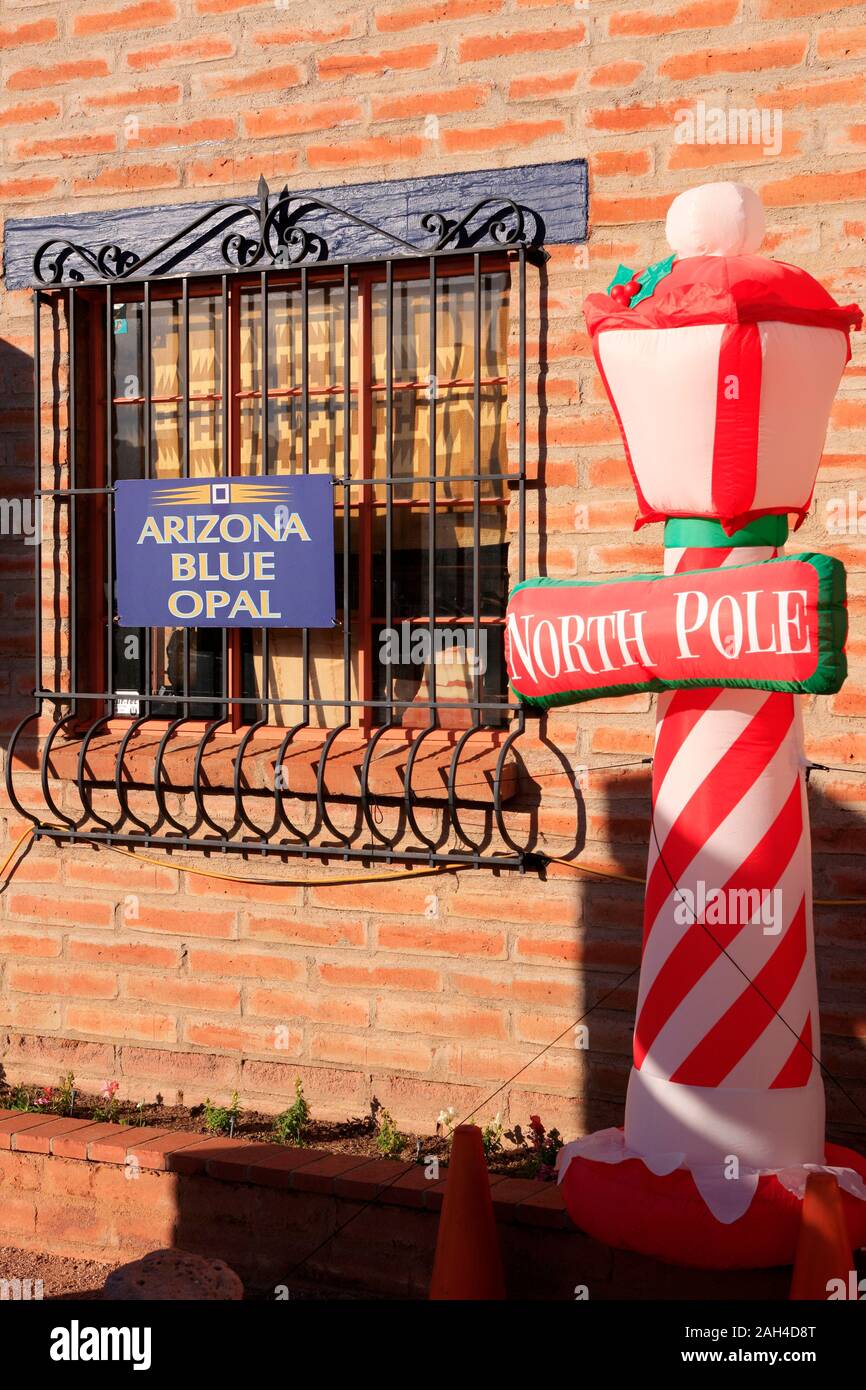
x,y
347,467
73,484
476,485
148,467
109,500
305,456
37,484
186,458
389,477
264,320
224,399
431,518
521,486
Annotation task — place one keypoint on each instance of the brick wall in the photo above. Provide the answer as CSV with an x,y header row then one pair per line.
x,y
432,993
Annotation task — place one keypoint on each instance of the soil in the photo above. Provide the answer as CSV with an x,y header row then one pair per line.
x,y
60,1277
354,1136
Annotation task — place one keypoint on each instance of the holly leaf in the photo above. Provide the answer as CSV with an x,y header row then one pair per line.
x,y
650,278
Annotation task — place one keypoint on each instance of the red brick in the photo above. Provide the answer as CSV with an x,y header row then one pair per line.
x,y
113,1148
494,137
367,1182
192,1159
66,147
467,97
54,75
28,113
330,930
700,14
752,58
146,14
181,992
17,1123
178,54
195,133
794,9
261,80
75,913
157,1028
809,189
129,98
442,939
38,1139
119,953
437,12
74,984
297,117
228,6
231,1038
321,1175
842,43
620,74
379,976
244,963
157,1151
480,47
346,27
283,1004
17,35
179,921
130,178
29,944
543,85
275,1168
410,59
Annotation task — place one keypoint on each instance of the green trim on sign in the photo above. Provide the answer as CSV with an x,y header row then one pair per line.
x,y
829,673
702,533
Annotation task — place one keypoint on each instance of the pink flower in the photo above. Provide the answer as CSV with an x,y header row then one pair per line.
x,y
535,1125
45,1096
109,1089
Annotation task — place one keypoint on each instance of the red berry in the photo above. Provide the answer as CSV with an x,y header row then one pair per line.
x,y
620,295
632,288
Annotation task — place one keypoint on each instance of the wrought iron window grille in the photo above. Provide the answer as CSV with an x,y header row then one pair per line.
x,y
260,243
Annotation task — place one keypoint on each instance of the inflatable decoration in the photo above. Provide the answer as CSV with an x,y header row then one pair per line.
x,y
779,625
722,378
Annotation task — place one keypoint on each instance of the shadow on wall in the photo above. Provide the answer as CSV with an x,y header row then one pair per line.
x,y
26,526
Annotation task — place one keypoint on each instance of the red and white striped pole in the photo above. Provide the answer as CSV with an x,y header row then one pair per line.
x,y
727,1032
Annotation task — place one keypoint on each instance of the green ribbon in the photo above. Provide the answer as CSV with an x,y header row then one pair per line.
x,y
703,534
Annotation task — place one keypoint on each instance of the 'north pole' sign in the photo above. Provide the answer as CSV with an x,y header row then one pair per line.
x,y
774,625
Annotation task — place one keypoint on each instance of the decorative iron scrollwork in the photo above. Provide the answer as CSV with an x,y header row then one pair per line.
x,y
290,231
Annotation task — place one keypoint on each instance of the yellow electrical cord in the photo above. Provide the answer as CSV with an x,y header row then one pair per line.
x,y
360,878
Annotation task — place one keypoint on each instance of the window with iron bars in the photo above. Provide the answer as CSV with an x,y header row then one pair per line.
x,y
404,379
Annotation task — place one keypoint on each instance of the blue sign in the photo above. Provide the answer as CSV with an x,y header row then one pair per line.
x,y
225,552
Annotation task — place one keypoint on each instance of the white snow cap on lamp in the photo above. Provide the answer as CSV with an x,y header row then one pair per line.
x,y
716,219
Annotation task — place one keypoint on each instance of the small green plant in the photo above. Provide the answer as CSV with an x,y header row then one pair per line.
x,y
107,1110
289,1126
64,1100
19,1098
445,1122
491,1138
541,1146
221,1119
389,1141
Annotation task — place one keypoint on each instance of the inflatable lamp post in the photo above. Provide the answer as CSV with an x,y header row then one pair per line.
x,y
721,367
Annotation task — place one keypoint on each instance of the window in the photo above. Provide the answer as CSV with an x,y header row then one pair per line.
x,y
370,377
400,376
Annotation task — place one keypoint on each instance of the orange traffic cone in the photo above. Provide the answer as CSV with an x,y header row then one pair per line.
x,y
468,1263
824,1251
